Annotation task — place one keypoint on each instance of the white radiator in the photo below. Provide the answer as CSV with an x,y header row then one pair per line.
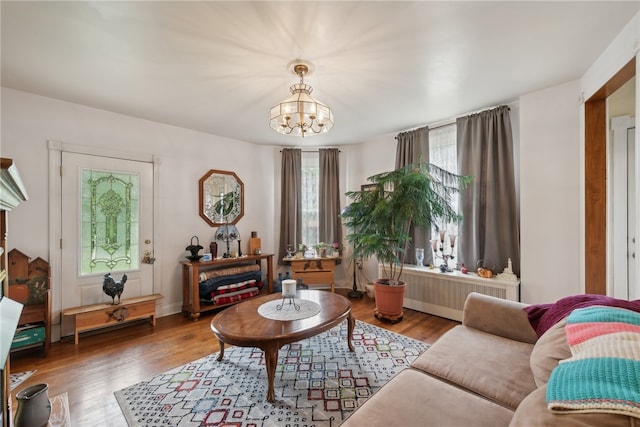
x,y
443,294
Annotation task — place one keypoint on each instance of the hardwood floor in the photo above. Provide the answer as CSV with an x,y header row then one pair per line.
x,y
112,359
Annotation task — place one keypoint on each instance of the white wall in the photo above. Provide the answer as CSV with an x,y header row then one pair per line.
x,y
550,193
364,160
29,121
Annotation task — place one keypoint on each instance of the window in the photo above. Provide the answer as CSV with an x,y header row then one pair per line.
x,y
310,197
443,153
109,214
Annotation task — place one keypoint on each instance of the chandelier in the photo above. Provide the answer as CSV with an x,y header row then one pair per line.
x,y
301,114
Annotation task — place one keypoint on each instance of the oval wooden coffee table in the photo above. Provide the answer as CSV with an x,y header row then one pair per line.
x,y
243,326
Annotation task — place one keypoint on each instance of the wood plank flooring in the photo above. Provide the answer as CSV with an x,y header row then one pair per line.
x,y
112,359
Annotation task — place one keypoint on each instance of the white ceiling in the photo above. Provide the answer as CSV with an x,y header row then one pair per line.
x,y
383,67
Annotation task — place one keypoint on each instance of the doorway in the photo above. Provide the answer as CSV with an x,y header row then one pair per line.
x,y
623,210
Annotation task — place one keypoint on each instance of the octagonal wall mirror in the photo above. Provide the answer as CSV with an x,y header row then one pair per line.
x,y
221,197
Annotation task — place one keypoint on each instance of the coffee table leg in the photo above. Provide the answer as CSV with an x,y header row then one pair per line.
x,y
271,360
350,326
221,354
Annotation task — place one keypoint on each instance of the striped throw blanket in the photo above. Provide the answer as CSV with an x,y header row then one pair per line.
x,y
603,374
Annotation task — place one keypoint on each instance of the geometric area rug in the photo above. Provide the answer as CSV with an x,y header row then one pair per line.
x,y
318,382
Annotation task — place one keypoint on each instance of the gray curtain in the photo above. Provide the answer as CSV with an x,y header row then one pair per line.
x,y
489,231
330,227
291,201
413,146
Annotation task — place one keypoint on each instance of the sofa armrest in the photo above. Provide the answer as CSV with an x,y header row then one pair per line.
x,y
498,316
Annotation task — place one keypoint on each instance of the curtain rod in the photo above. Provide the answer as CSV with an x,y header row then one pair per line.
x,y
453,121
312,151
441,125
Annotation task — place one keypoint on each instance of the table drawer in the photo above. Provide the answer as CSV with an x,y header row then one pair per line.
x,y
314,277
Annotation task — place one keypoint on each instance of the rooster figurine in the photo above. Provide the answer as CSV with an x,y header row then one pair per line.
x,y
113,288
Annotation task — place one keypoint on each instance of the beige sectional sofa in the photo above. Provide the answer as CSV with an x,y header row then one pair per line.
x,y
489,371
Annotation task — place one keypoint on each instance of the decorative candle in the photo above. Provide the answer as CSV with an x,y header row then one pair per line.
x,y
452,239
442,236
288,288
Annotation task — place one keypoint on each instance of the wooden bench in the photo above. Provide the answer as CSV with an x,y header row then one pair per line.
x,y
103,315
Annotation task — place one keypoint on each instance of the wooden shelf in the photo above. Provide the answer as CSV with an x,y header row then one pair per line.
x,y
191,303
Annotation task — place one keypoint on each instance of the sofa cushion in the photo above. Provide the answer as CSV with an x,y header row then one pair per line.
x,y
533,412
491,366
550,349
413,398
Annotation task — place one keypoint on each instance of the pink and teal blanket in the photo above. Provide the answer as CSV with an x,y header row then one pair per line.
x,y
603,374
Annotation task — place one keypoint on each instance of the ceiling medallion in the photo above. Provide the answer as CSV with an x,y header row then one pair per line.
x,y
301,114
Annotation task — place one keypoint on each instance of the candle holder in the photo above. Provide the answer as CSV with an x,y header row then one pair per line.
x,y
288,292
290,251
439,249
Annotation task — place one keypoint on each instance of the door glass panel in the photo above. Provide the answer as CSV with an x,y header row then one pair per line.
x,y
110,222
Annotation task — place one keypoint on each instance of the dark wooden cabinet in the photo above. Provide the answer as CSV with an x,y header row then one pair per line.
x,y
29,284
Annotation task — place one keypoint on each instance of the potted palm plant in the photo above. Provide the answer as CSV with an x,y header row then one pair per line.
x,y
381,216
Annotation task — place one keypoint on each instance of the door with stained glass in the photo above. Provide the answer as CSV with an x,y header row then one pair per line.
x,y
107,227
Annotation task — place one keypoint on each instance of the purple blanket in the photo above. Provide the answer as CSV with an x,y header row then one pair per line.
x,y
544,316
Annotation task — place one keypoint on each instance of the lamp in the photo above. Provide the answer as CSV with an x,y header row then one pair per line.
x,y
354,292
301,114
228,233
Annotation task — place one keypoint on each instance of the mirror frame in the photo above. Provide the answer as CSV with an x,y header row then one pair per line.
x,y
207,192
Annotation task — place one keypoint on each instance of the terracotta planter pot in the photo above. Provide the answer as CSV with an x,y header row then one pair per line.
x,y
389,299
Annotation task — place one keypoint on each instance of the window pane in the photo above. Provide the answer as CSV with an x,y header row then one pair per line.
x,y
310,197
110,212
442,153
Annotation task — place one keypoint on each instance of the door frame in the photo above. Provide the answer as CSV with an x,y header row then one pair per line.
x,y
56,148
595,179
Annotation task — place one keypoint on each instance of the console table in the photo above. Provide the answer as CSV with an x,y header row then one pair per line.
x,y
314,271
191,303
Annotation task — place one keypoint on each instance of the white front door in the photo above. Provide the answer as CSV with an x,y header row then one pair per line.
x,y
107,227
